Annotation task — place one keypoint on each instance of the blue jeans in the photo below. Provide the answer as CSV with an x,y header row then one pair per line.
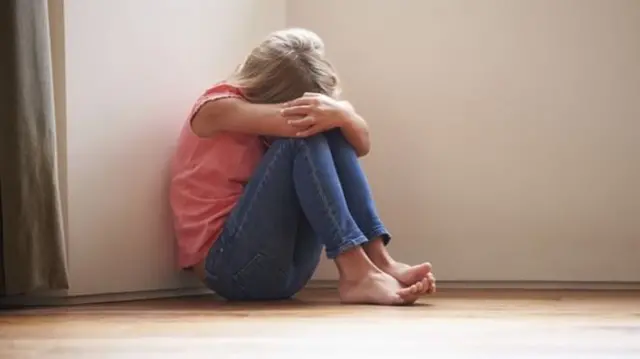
x,y
306,194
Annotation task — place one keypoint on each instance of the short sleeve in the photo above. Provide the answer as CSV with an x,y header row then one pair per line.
x,y
215,93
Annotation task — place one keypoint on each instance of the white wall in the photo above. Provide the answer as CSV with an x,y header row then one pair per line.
x,y
132,70
506,133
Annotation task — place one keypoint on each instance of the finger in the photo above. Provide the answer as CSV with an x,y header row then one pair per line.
x,y
303,101
301,110
304,122
313,130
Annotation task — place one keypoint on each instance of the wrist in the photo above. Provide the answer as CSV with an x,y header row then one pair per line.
x,y
346,105
347,114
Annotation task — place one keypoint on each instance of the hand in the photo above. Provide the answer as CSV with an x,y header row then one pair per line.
x,y
314,113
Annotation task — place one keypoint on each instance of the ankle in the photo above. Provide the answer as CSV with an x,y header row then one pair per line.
x,y
354,264
377,252
384,263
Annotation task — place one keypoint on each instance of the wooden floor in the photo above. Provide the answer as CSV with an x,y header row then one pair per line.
x,y
453,324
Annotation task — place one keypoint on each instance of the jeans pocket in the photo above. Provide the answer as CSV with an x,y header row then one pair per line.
x,y
262,279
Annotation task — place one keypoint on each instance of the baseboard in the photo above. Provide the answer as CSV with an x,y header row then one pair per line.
x,y
528,285
29,301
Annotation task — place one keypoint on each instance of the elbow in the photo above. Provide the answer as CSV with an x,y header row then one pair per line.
x,y
362,153
364,149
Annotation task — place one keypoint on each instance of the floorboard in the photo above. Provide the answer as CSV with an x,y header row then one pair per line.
x,y
453,324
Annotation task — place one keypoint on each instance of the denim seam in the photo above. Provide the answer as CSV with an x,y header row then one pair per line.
x,y
345,246
241,223
376,232
325,202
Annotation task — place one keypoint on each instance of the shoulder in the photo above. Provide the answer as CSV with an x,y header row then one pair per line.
x,y
217,92
221,90
210,107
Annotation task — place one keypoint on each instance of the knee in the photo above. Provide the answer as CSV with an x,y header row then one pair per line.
x,y
318,141
336,139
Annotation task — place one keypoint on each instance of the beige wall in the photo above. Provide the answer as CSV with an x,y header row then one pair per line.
x,y
506,133
132,70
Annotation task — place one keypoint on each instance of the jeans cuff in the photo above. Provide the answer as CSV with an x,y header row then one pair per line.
x,y
348,244
381,232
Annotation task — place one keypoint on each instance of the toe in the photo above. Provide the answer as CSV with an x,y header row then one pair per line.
x,y
414,274
419,287
426,285
427,266
422,269
407,296
432,283
406,291
416,287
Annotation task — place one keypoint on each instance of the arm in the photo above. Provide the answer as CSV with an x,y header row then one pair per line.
x,y
237,115
355,130
317,113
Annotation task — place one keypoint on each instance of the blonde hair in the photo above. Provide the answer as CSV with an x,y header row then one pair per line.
x,y
284,66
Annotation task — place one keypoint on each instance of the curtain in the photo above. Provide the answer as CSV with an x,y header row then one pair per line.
x,y
32,237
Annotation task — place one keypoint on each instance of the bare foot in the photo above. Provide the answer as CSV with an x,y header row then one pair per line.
x,y
379,288
405,273
418,289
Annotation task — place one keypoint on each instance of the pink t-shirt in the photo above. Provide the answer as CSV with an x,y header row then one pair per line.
x,y
208,176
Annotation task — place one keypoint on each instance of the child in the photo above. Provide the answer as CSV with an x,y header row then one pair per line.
x,y
252,220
